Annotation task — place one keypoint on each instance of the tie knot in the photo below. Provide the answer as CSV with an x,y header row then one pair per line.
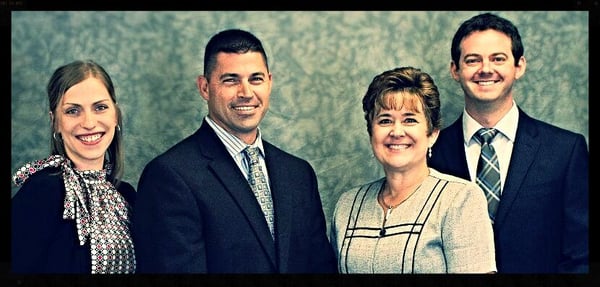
x,y
252,153
485,135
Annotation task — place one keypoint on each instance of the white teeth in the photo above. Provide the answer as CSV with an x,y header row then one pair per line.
x,y
397,146
244,108
90,138
486,83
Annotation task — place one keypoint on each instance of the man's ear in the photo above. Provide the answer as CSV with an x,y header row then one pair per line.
x,y
202,84
521,66
454,70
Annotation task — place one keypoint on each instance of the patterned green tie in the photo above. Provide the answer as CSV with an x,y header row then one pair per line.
x,y
488,169
259,185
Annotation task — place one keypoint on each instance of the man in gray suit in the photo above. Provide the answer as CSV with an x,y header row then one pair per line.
x,y
541,224
196,211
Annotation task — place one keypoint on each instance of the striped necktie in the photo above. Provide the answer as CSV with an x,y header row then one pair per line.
x,y
488,169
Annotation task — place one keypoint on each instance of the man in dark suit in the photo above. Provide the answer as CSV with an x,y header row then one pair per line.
x,y
541,224
196,211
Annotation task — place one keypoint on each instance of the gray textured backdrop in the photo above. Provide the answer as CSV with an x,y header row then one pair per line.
x,y
322,63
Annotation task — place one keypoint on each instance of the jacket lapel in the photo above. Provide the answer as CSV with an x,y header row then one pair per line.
x,y
282,192
227,172
523,154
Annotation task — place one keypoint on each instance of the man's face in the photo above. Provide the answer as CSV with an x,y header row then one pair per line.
x,y
487,70
238,93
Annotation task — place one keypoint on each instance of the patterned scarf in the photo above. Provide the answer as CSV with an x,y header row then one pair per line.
x,y
100,211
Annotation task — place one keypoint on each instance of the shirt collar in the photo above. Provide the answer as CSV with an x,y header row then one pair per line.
x,y
507,126
233,144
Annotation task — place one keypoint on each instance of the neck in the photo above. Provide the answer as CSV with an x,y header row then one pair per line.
x,y
402,182
393,201
80,164
488,114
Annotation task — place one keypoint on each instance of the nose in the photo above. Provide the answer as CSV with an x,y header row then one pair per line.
x,y
486,66
397,131
88,121
244,90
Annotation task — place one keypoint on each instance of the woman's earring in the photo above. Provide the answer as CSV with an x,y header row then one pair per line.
x,y
118,128
429,151
54,136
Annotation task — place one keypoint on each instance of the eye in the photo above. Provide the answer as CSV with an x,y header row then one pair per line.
x,y
411,121
72,111
384,121
230,81
257,80
499,59
101,107
472,61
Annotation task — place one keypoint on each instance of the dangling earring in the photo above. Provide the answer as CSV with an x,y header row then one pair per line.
x,y
429,151
54,136
118,128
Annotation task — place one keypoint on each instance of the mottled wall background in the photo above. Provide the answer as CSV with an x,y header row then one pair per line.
x,y
322,63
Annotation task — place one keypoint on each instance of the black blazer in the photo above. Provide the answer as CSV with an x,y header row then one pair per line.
x,y
41,240
196,213
542,222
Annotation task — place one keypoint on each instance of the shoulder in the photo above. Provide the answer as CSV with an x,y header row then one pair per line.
x,y
453,128
47,178
434,173
41,190
181,147
547,130
273,152
182,153
354,199
449,136
351,194
453,186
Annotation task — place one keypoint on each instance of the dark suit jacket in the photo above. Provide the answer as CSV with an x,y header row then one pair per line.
x,y
196,213
41,240
542,221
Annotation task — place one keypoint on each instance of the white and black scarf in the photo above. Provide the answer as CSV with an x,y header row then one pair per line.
x,y
99,210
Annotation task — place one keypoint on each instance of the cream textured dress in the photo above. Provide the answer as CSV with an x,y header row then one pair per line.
x,y
443,227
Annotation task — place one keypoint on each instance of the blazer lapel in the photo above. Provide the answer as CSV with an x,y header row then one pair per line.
x,y
225,169
282,193
523,154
